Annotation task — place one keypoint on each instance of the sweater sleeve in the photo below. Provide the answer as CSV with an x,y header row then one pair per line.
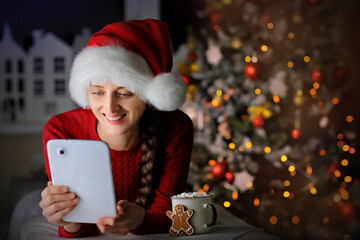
x,y
177,154
57,128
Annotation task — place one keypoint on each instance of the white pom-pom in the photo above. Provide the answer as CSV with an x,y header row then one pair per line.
x,y
166,91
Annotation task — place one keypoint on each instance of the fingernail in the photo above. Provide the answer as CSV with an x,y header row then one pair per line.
x,y
64,189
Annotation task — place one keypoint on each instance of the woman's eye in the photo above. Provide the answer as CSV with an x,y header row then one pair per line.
x,y
125,94
97,93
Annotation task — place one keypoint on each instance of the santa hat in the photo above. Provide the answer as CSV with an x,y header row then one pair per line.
x,y
135,55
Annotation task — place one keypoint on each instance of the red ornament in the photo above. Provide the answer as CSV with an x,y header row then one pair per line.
x,y
215,17
332,168
316,75
347,211
229,176
341,74
251,71
295,133
192,57
219,170
259,121
186,79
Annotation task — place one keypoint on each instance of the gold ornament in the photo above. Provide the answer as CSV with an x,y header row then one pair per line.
x,y
236,43
299,100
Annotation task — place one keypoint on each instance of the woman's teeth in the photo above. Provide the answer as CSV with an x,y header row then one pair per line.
x,y
115,118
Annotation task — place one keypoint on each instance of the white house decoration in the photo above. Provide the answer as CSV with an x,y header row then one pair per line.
x,y
34,85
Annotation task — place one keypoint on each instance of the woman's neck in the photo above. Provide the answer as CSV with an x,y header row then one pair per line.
x,y
120,142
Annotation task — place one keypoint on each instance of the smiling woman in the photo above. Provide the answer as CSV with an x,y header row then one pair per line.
x,y
134,111
118,112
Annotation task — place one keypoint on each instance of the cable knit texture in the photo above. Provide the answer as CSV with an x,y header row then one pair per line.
x,y
175,135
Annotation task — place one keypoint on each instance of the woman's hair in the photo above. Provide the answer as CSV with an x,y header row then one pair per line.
x,y
148,158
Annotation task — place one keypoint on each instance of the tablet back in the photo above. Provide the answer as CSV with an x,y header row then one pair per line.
x,y
85,167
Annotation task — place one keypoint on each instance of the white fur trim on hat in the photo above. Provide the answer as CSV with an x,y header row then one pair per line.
x,y
124,68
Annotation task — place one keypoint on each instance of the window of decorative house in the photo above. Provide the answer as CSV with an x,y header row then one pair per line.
x,y
59,86
8,85
38,65
38,87
20,66
59,64
21,103
21,85
8,66
50,108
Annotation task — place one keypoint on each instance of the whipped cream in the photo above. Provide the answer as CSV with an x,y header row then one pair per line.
x,y
192,195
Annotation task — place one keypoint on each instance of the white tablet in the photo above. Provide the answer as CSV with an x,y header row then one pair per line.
x,y
84,166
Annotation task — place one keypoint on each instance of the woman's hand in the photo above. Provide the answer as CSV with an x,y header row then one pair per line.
x,y
56,202
129,217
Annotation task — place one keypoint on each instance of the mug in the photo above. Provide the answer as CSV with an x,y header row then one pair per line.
x,y
205,214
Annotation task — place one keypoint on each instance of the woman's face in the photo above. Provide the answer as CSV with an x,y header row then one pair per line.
x,y
117,110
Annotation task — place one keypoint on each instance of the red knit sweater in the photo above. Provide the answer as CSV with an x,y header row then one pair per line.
x,y
175,134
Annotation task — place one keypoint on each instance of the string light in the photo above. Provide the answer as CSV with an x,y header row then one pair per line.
x,y
256,202
267,149
313,191
264,48
337,173
235,195
349,118
346,148
340,136
247,59
291,35
312,92
316,85
219,92
286,194
352,150
276,99
206,187
257,91
348,179
335,100
309,170
306,59
248,145
344,162
273,220
295,219
201,191
227,204
232,146
291,168
270,25
290,64
322,152
286,183
283,158
325,220
212,162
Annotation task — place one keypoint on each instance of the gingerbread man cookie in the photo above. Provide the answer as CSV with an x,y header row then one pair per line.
x,y
180,220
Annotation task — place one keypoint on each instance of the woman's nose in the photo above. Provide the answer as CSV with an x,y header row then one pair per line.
x,y
111,104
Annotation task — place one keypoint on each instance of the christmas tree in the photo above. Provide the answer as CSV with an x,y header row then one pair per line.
x,y
272,142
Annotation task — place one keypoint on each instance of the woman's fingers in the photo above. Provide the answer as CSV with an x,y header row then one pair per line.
x,y
53,190
121,206
56,218
113,225
57,206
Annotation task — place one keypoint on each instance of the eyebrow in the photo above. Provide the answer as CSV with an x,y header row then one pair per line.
x,y
99,86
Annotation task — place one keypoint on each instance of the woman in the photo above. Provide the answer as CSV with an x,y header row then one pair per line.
x,y
129,98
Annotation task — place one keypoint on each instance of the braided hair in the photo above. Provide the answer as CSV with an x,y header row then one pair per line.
x,y
149,148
